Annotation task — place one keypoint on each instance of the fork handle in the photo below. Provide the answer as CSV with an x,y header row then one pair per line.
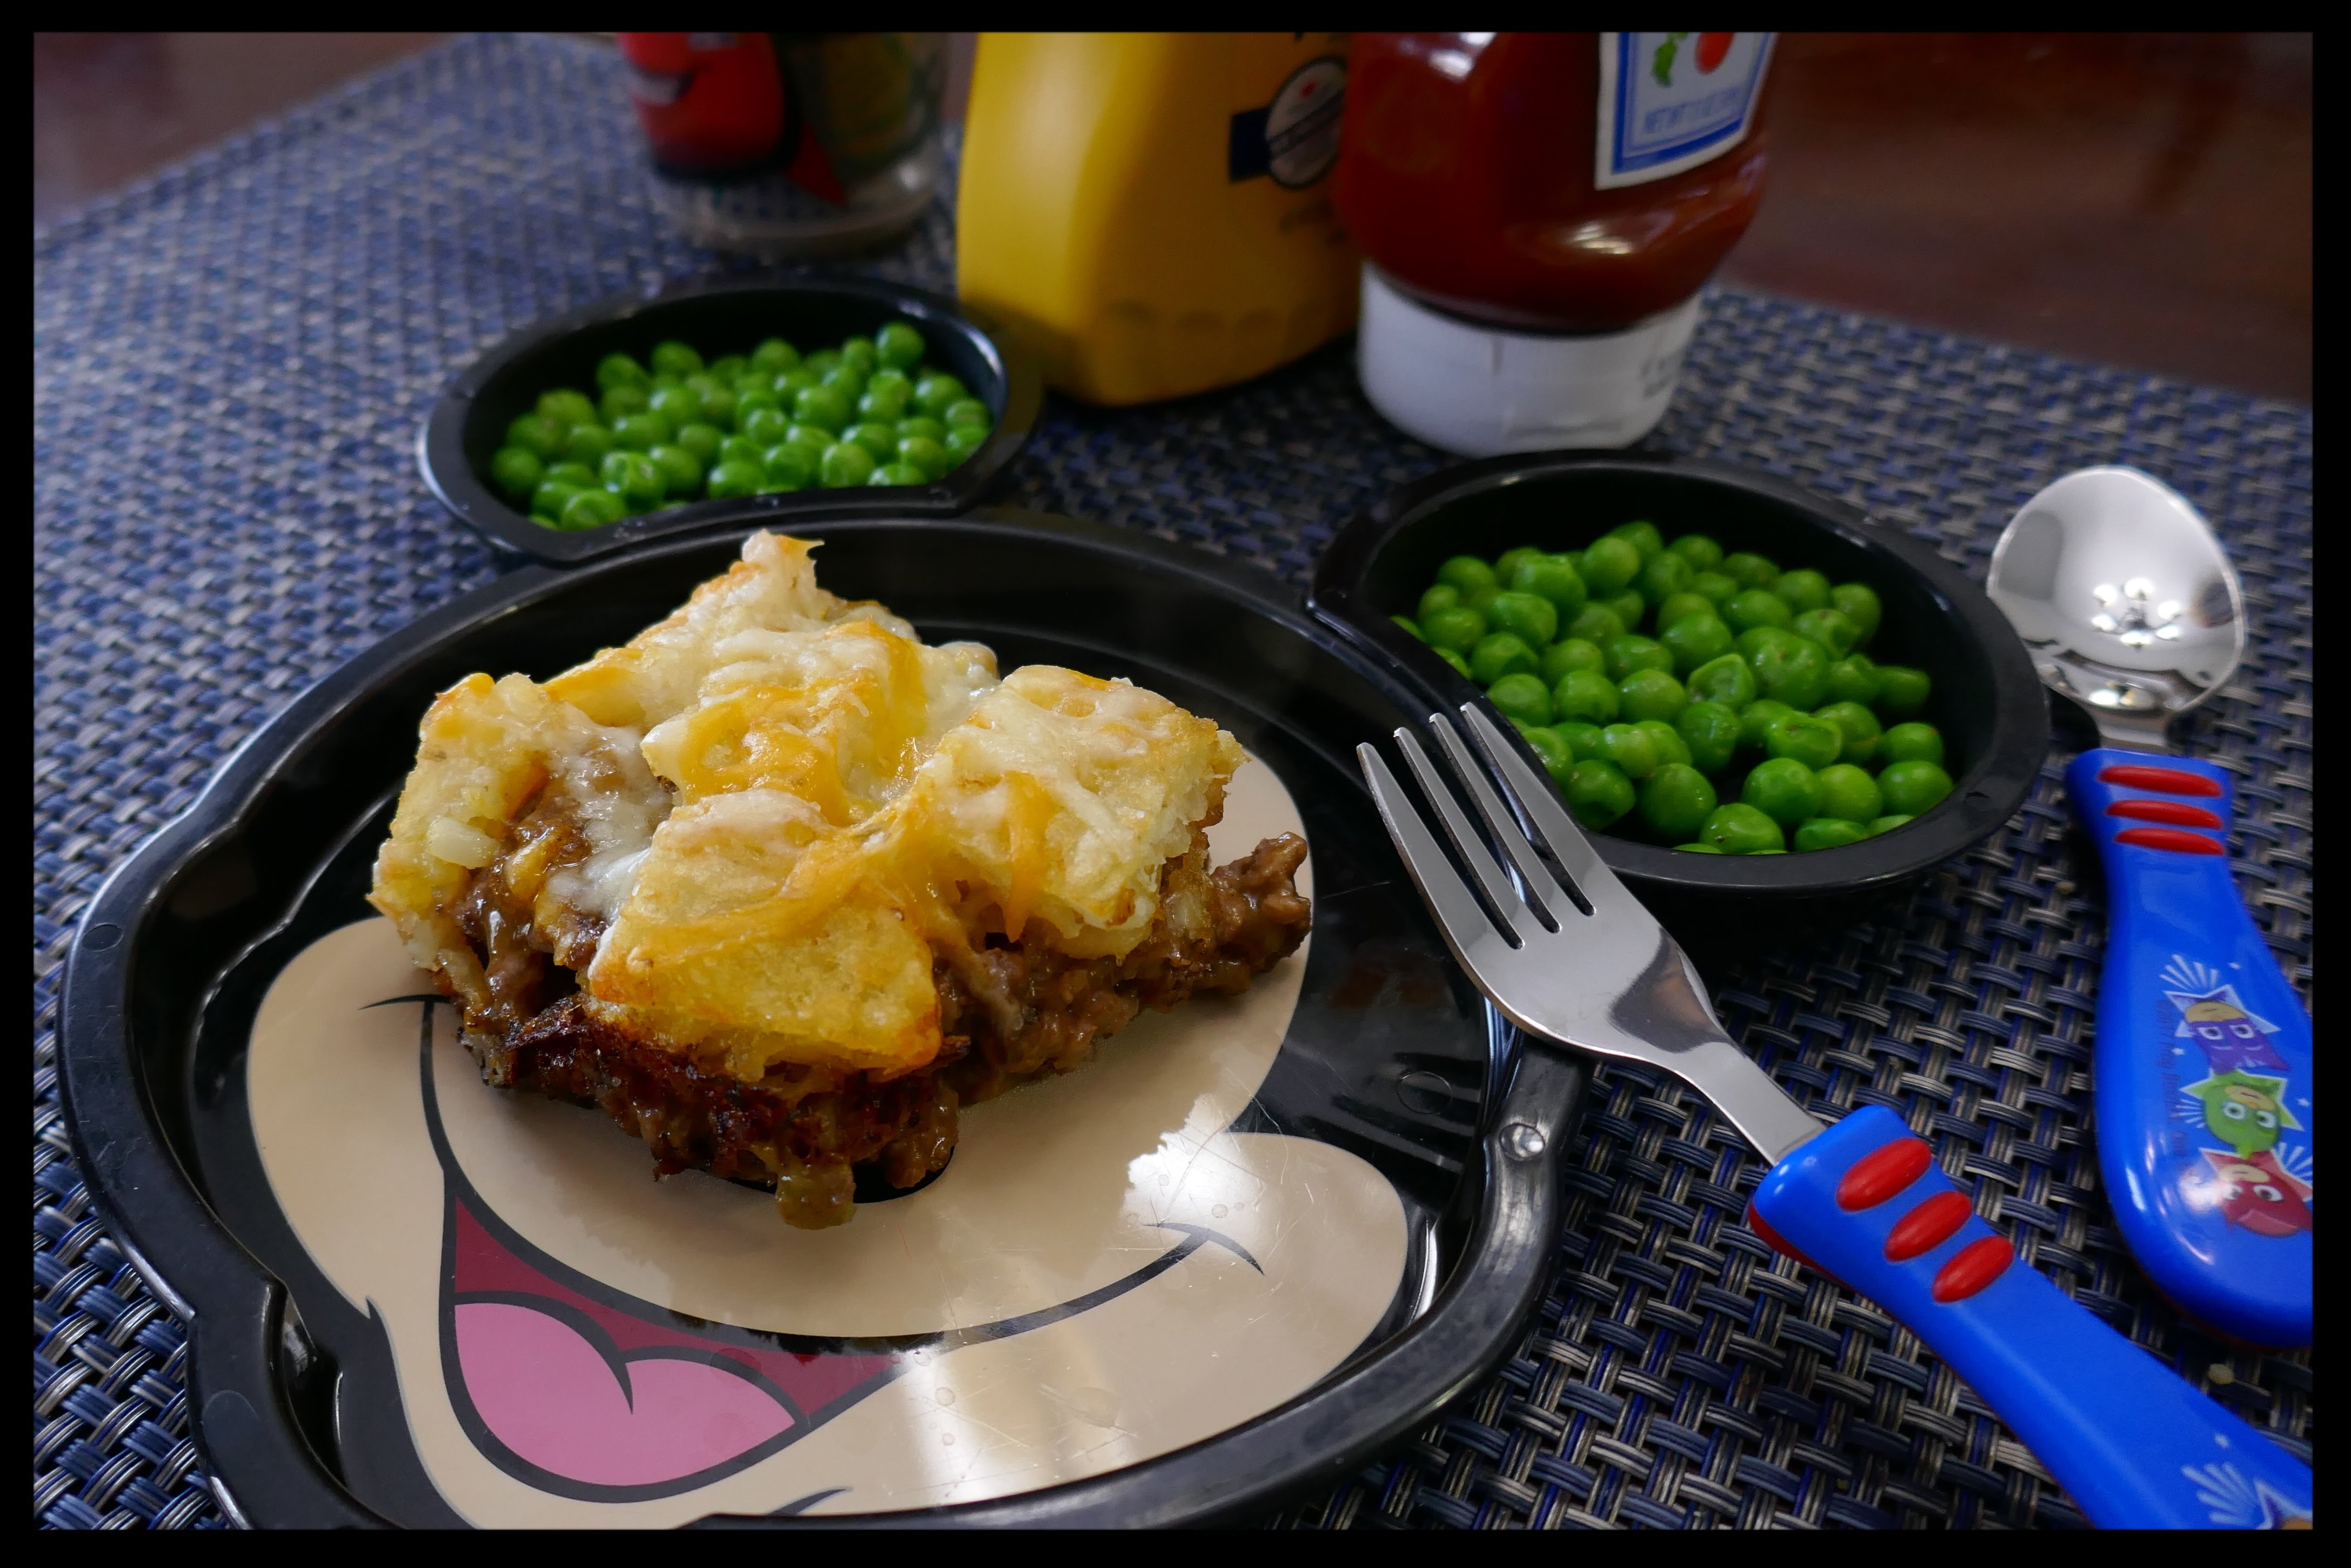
x,y
2131,1443
2201,1067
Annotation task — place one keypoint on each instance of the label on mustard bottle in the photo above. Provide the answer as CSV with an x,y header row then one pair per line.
x,y
1670,101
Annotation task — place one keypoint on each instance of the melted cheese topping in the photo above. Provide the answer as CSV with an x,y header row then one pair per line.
x,y
847,802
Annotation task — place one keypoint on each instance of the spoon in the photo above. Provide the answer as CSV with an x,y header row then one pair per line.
x,y
2201,1067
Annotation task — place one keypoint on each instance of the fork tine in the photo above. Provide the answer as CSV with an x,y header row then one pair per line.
x,y
1539,800
1473,851
1543,892
1457,908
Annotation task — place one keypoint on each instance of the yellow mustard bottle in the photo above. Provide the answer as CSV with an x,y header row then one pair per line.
x,y
1150,213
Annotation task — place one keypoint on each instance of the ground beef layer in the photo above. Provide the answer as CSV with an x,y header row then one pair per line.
x,y
1009,1012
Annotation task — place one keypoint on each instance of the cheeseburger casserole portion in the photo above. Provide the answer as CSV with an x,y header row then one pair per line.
x,y
779,886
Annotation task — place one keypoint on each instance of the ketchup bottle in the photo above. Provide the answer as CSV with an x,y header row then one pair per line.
x,y
1538,212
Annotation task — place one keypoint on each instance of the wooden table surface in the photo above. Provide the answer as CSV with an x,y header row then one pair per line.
x,y
2139,199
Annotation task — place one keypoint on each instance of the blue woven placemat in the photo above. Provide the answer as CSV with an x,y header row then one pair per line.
x,y
230,364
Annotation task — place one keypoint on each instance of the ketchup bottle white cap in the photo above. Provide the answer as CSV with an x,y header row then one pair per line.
x,y
1477,391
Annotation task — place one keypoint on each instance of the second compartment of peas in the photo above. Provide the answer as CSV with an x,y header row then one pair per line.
x,y
673,428
1708,700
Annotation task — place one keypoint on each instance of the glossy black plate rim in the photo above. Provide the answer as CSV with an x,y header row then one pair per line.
x,y
265,1473
441,441
1983,799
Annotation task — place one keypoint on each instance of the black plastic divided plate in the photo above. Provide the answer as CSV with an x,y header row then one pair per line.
x,y
1248,1244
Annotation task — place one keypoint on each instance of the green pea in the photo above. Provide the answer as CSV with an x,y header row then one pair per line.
x,y
1568,654
1902,691
898,473
1457,628
1700,550
1860,605
1585,694
1727,679
740,449
1698,848
675,358
681,405
1532,617
728,368
703,441
641,431
1740,830
1630,608
516,470
1803,589
660,380
1669,741
1499,654
1826,834
1829,628
1583,739
1409,627
1751,570
1710,730
1552,578
1610,565
681,470
1627,654
815,437
881,440
1665,575
1481,600
1854,679
1651,693
1696,640
1598,793
1758,607
1888,823
845,464
579,476
1755,638
922,424
729,480
1678,607
546,501
1631,749
589,443
619,371
1756,720
1715,588
1859,727
899,346
1552,751
1595,624
1642,536
848,380
635,477
1849,792
1436,596
823,406
774,356
721,406
1912,787
1507,564
863,353
1814,742
1795,672
763,427
893,383
567,407
1913,742
537,434
886,405
619,402
1455,660
968,411
592,509
792,382
937,392
1464,573
789,466
1783,789
1520,696
963,440
921,452
1676,801
821,363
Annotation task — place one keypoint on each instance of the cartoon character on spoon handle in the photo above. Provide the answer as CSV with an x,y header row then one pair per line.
x,y
2202,1062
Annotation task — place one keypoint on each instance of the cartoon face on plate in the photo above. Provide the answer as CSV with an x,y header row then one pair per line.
x,y
2258,1193
2231,1038
1104,1272
2244,1111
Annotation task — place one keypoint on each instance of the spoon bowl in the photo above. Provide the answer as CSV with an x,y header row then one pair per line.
x,y
2124,598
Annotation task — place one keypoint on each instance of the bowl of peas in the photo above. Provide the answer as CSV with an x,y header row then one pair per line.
x,y
751,400
1737,687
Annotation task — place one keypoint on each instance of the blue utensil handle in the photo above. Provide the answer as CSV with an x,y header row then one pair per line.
x,y
2201,1069
2133,1443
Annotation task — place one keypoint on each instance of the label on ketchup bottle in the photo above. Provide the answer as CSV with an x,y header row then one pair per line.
x,y
1669,101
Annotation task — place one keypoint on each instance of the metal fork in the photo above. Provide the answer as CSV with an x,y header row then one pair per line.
x,y
1571,957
